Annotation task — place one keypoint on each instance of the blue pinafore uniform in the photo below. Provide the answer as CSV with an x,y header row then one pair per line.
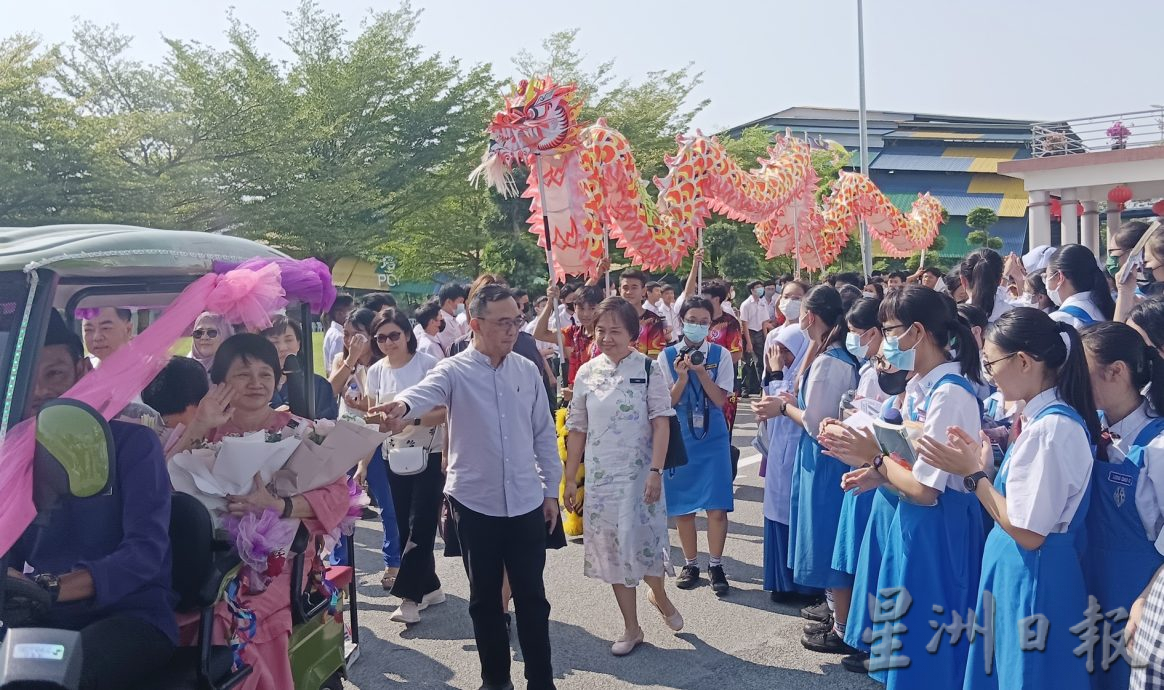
x,y
1079,313
1119,560
935,552
1046,581
816,501
705,482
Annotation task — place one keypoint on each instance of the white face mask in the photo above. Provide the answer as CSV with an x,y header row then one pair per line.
x,y
1053,292
790,308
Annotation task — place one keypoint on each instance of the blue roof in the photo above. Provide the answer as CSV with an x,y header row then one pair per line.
x,y
938,163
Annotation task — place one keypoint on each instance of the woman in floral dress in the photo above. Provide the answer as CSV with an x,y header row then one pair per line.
x,y
618,419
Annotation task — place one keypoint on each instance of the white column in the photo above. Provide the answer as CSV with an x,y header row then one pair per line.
x,y
1069,234
1089,227
1039,218
1113,222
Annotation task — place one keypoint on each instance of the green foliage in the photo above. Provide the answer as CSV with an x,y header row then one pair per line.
x,y
981,218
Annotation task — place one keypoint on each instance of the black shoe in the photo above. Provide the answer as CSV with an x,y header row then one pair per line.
x,y
857,663
368,514
827,642
504,686
783,597
688,577
817,612
719,583
818,627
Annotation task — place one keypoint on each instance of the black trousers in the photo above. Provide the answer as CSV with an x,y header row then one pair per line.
x,y
121,652
490,547
417,500
756,374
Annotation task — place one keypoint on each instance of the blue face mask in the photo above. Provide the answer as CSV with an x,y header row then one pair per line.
x,y
855,347
758,292
895,356
460,309
695,332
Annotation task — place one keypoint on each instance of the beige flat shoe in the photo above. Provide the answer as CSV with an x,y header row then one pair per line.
x,y
389,578
673,621
624,647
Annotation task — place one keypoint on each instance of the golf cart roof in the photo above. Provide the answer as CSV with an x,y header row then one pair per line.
x,y
80,251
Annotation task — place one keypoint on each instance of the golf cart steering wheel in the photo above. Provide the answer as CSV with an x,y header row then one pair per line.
x,y
25,602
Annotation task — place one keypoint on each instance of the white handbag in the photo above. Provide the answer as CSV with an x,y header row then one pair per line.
x,y
407,461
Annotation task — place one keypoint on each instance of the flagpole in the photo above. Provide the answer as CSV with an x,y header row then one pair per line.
x,y
550,266
863,130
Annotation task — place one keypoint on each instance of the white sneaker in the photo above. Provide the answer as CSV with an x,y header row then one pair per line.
x,y
408,612
432,599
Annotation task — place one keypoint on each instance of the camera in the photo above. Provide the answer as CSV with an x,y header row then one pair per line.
x,y
693,357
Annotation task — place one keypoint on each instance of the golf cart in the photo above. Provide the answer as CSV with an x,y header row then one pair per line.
x,y
73,267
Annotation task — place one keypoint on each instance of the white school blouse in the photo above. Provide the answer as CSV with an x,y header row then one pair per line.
x,y
951,405
1150,487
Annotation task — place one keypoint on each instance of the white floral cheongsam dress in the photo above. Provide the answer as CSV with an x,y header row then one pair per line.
x,y
625,539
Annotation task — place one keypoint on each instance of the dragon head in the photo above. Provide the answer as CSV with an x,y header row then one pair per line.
x,y
538,116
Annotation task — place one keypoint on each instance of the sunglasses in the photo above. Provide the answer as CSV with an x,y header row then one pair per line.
x,y
382,338
206,333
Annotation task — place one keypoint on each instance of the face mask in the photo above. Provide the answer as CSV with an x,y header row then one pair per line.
x,y
758,292
897,358
892,382
1112,265
460,309
695,332
790,308
854,346
1053,294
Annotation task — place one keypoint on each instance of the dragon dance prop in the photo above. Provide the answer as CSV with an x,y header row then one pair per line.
x,y
583,183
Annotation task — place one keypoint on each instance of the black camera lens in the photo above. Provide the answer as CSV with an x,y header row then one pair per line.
x,y
696,358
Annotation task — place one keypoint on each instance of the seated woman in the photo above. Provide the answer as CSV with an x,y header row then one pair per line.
x,y
210,330
250,365
287,337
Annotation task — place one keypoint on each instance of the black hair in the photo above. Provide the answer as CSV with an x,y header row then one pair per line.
x,y
246,347
655,284
877,287
450,291
935,272
851,278
377,301
622,311
715,288
124,314
1128,234
341,302
60,334
427,312
280,324
1029,330
1077,264
486,295
770,282
695,303
180,385
1110,342
831,278
973,315
1037,282
591,294
982,271
897,274
1149,316
825,303
952,280
668,286
362,319
938,314
863,314
754,284
399,320
634,274
849,295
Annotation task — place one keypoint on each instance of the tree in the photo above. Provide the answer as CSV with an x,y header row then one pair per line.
x,y
981,219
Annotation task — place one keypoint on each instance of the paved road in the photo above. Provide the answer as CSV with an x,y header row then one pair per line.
x,y
743,640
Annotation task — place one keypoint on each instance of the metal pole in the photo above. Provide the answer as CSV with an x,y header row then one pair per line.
x,y
863,130
606,253
699,271
550,265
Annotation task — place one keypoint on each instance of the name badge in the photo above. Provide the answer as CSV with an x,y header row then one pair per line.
x,y
638,380
1118,478
697,421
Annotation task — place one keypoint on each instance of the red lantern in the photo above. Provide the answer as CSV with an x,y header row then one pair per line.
x,y
1119,195
1056,208
1158,208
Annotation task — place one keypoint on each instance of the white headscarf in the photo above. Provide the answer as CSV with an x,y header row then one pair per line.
x,y
210,320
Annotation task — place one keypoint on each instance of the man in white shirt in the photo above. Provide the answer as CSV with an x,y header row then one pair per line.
x,y
430,321
754,313
503,477
669,308
333,340
107,332
452,300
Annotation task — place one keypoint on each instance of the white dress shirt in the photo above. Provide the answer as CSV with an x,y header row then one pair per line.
x,y
951,405
755,312
333,344
670,316
454,331
828,380
1083,301
1150,487
1049,469
724,375
503,446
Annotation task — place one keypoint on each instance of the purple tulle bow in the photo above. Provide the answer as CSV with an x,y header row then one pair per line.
x,y
257,535
306,280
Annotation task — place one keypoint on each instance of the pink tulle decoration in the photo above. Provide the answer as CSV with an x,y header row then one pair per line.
x,y
357,501
258,535
123,375
307,280
248,296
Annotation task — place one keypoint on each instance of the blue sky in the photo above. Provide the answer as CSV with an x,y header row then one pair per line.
x,y
1038,59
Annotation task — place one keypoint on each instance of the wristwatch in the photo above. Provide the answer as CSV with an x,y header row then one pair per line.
x,y
971,481
656,470
49,583
416,422
878,461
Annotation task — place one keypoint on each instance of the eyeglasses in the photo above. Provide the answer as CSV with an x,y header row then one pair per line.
x,y
888,330
211,333
989,366
696,323
507,324
382,338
